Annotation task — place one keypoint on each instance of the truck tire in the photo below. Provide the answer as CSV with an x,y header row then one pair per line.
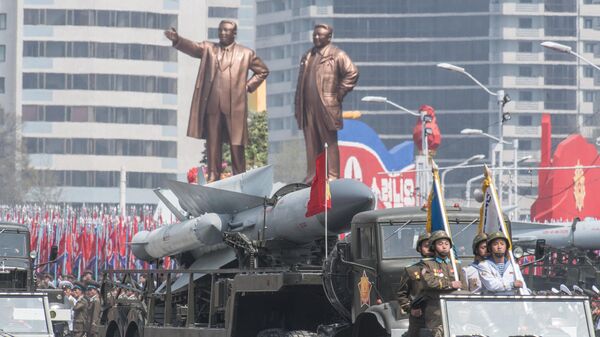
x,y
272,333
300,333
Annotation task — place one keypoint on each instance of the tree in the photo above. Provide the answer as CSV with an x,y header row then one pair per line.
x,y
257,150
18,181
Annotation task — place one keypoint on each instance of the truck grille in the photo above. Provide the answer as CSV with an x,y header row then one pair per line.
x,y
14,279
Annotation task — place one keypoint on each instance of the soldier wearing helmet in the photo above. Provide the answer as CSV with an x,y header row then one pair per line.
x,y
439,276
497,273
411,286
471,271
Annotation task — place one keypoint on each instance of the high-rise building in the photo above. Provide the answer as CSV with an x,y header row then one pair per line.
x,y
98,88
397,44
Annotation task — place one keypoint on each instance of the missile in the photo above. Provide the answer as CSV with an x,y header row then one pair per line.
x,y
576,234
221,209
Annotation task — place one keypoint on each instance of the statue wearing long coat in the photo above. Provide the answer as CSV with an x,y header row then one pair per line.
x,y
243,60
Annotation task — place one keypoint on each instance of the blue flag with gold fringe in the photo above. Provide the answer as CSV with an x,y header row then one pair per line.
x,y
437,218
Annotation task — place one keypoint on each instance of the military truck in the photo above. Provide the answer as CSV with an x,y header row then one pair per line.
x,y
349,292
25,314
17,274
16,258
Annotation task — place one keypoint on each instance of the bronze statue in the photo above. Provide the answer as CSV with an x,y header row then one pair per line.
x,y
326,75
219,104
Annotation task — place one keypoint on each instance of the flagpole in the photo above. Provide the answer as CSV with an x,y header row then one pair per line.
x,y
325,199
436,181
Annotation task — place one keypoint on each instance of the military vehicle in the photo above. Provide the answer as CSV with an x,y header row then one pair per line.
x,y
263,270
25,314
16,258
501,316
17,274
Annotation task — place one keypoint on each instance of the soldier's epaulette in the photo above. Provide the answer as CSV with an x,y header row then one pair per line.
x,y
427,259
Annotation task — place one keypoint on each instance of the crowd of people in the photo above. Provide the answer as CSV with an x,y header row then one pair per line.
x,y
491,272
83,298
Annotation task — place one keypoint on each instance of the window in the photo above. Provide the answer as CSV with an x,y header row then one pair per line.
x,y
365,239
588,23
588,72
222,12
588,47
2,21
526,96
56,17
1,85
2,53
525,47
588,96
525,120
524,145
525,71
525,23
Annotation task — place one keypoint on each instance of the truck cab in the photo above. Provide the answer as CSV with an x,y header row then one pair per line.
x,y
382,243
16,258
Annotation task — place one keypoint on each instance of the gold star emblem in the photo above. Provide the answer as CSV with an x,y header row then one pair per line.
x,y
364,290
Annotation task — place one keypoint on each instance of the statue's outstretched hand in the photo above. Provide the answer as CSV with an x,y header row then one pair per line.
x,y
172,35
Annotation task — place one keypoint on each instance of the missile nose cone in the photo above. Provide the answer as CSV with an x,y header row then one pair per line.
x,y
348,198
138,246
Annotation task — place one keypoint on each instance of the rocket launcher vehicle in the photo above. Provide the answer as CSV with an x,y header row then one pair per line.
x,y
243,213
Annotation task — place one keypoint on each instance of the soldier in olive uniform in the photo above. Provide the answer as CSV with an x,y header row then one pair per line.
x,y
439,276
411,286
80,312
94,308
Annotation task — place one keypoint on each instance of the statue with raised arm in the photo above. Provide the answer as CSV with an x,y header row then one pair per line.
x,y
326,75
219,109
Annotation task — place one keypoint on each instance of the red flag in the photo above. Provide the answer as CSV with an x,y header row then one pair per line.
x,y
319,190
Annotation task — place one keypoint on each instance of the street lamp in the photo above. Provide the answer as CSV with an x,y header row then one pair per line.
x,y
422,161
464,163
501,98
381,99
561,48
568,50
481,133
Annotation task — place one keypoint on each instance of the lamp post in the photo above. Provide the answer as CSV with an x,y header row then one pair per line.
x,y
516,163
497,153
568,50
464,163
422,161
502,98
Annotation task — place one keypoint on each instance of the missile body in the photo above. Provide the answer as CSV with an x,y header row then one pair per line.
x,y
285,220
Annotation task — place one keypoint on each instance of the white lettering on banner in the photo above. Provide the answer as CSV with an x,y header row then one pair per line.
x,y
394,191
352,169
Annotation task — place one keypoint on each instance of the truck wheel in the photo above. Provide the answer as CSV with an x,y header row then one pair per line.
x,y
272,333
300,333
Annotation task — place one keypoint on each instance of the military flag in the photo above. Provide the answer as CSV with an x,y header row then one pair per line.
x,y
437,219
491,220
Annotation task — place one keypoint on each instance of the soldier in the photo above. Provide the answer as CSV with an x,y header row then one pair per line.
x,y
472,271
67,288
497,272
438,274
411,286
94,308
80,312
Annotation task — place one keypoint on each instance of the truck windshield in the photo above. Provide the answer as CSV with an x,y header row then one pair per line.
x,y
399,241
517,317
13,244
22,315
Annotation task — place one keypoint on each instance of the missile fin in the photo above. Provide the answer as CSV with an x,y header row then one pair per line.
x,y
169,204
257,182
212,260
197,199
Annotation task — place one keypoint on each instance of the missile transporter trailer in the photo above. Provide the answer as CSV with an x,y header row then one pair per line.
x,y
349,292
